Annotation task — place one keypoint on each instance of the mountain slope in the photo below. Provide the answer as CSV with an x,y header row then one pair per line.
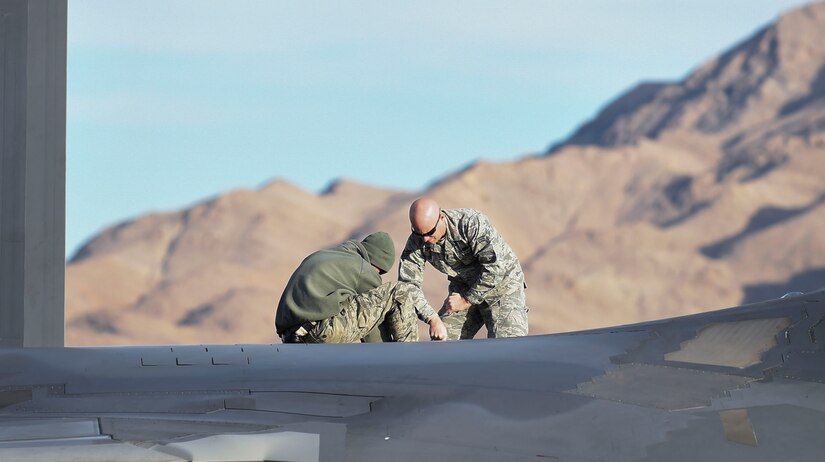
x,y
677,197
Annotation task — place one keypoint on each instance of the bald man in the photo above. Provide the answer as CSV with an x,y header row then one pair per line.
x,y
486,283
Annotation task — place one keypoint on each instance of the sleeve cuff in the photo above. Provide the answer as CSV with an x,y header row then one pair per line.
x,y
473,297
426,313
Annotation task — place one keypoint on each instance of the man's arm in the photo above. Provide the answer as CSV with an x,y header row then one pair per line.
x,y
438,331
482,238
411,271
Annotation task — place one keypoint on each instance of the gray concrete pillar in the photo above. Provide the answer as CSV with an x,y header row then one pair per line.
x,y
32,171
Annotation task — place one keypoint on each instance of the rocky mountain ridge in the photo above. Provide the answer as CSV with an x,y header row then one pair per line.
x,y
676,198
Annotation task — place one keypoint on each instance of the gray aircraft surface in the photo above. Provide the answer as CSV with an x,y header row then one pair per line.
x,y
741,384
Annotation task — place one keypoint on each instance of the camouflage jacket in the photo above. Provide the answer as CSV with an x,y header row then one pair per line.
x,y
478,263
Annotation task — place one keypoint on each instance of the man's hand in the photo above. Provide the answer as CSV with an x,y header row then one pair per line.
x,y
455,303
438,331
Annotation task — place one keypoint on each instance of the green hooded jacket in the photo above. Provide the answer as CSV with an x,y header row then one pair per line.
x,y
322,281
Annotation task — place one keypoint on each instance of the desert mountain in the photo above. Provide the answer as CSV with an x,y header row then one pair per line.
x,y
676,198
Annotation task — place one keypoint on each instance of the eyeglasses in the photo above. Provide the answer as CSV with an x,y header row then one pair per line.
x,y
430,232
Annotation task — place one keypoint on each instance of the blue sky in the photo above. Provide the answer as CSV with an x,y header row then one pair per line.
x,y
171,102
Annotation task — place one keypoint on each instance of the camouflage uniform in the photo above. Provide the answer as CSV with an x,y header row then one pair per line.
x,y
336,295
391,302
480,266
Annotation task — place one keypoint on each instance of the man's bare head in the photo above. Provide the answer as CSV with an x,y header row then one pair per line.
x,y
425,217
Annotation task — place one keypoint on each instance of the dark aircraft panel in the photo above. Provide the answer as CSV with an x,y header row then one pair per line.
x,y
742,384
662,387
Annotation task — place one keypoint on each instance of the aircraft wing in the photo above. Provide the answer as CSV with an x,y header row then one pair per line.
x,y
740,384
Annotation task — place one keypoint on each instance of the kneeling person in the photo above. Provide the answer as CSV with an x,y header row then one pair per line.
x,y
336,296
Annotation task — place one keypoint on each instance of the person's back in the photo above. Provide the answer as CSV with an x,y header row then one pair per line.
x,y
336,296
322,281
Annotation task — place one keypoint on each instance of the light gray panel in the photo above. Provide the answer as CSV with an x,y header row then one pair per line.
x,y
315,404
785,433
181,402
660,386
32,178
229,356
737,344
45,176
219,355
160,430
192,355
284,446
12,171
158,356
41,429
112,452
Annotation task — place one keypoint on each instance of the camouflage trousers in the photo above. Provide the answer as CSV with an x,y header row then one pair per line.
x,y
389,303
505,317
